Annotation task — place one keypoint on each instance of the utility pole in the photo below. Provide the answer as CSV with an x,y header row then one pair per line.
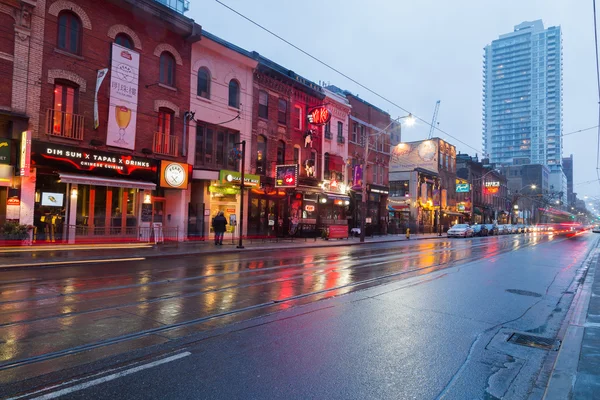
x,y
242,178
363,208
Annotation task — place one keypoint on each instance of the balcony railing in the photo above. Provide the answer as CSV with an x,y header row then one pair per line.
x,y
165,144
65,125
341,139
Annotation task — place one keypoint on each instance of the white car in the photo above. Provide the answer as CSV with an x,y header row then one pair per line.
x,y
460,230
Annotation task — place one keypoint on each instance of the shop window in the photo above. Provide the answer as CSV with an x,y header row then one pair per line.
x,y
220,147
282,111
280,152
69,32
261,154
64,119
298,117
203,89
167,69
234,94
124,40
263,104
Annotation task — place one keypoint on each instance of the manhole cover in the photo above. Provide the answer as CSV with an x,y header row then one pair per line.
x,y
523,292
538,342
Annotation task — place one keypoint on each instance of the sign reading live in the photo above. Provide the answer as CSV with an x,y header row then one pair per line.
x,y
99,163
319,115
286,176
122,114
174,175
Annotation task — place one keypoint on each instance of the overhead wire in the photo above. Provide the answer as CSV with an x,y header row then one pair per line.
x,y
343,74
598,83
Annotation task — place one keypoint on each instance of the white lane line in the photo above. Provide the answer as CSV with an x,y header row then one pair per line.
x,y
73,262
104,379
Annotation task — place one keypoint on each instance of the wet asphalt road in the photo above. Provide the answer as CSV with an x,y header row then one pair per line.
x,y
435,329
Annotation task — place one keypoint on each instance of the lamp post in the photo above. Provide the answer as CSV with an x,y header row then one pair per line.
x,y
243,143
410,120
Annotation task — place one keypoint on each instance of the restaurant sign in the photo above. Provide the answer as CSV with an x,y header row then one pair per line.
x,y
234,177
100,163
286,176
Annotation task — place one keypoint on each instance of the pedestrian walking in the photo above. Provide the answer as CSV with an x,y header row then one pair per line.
x,y
219,225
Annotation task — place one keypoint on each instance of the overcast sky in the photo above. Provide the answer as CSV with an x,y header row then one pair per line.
x,y
418,52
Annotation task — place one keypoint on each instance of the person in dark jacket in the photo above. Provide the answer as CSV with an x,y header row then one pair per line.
x,y
219,225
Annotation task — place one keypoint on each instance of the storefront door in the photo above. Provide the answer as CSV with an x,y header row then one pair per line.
x,y
158,210
268,216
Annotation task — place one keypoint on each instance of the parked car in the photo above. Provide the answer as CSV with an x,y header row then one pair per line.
x,y
460,230
479,230
504,229
492,229
521,228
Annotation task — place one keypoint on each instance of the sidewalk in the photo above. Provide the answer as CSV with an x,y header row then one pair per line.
x,y
576,373
39,256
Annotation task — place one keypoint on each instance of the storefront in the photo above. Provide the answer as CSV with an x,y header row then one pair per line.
x,y
377,216
334,208
83,195
7,189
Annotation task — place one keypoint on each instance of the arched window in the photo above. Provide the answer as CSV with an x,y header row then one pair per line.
x,y
281,152
167,69
203,83
261,154
124,40
234,93
69,32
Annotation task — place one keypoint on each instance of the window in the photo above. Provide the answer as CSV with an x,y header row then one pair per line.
x,y
261,154
203,89
200,143
382,174
362,135
354,132
328,130
263,104
340,130
298,117
69,32
220,147
214,147
326,166
234,94
282,111
65,106
124,40
375,167
280,152
165,121
167,69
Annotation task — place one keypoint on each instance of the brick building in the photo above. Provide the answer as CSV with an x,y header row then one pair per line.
x,y
108,153
282,135
21,40
368,123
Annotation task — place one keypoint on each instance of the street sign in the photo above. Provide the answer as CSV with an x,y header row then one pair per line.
x,y
463,188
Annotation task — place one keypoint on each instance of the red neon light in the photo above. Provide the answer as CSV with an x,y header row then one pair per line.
x,y
319,115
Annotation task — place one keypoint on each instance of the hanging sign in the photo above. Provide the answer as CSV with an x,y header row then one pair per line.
x,y
319,115
99,79
173,175
286,176
122,114
25,163
463,188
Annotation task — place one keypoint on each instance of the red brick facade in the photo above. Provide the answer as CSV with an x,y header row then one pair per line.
x,y
153,29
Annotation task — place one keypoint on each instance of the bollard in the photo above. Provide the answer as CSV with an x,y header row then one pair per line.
x,y
407,233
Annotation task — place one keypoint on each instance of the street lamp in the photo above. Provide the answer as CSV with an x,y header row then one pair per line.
x,y
410,120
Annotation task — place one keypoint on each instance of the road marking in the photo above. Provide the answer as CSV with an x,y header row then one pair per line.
x,y
104,379
73,262
30,249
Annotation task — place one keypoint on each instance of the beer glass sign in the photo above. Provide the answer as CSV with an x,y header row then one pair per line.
x,y
123,97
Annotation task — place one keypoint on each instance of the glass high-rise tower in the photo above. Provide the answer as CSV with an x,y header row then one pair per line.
x,y
522,96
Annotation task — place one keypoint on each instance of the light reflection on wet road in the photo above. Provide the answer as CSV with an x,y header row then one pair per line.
x,y
44,311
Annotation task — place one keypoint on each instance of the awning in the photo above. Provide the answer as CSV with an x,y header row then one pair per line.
x,y
456,214
398,207
335,196
99,181
336,163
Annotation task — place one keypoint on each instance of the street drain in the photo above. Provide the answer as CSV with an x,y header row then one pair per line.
x,y
538,342
523,292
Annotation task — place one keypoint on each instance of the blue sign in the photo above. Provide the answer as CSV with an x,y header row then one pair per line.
x,y
463,188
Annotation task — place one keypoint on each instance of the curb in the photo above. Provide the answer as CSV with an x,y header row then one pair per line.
x,y
564,371
229,249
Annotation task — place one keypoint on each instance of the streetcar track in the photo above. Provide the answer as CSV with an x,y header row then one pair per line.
x,y
167,327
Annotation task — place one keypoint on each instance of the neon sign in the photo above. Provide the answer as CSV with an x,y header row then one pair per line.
x,y
319,115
